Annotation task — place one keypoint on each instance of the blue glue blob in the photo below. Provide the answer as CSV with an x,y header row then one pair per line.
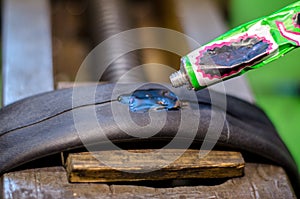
x,y
151,99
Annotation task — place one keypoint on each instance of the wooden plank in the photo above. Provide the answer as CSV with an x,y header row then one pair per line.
x,y
91,167
50,182
260,181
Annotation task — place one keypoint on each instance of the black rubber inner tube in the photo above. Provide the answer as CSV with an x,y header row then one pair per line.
x,y
43,125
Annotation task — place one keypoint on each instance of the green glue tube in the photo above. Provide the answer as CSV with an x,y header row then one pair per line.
x,y
246,47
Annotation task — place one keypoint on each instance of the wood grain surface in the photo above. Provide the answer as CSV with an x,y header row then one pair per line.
x,y
107,166
259,181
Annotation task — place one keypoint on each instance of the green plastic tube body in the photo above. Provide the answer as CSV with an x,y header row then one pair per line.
x,y
278,33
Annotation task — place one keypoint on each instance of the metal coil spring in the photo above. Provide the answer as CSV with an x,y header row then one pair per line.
x,y
109,18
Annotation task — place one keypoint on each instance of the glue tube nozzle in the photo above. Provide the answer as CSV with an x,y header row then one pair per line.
x,y
179,79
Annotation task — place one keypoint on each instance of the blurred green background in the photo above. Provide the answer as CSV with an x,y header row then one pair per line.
x,y
276,86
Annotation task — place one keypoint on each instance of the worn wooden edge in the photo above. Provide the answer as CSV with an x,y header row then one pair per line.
x,y
141,165
260,181
66,84
2,189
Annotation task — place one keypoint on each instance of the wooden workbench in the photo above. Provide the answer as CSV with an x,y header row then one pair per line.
x,y
260,181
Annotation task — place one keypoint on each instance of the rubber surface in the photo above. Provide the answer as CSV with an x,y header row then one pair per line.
x,y
44,124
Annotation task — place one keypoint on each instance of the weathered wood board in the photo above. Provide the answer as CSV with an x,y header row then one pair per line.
x,y
107,166
259,181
